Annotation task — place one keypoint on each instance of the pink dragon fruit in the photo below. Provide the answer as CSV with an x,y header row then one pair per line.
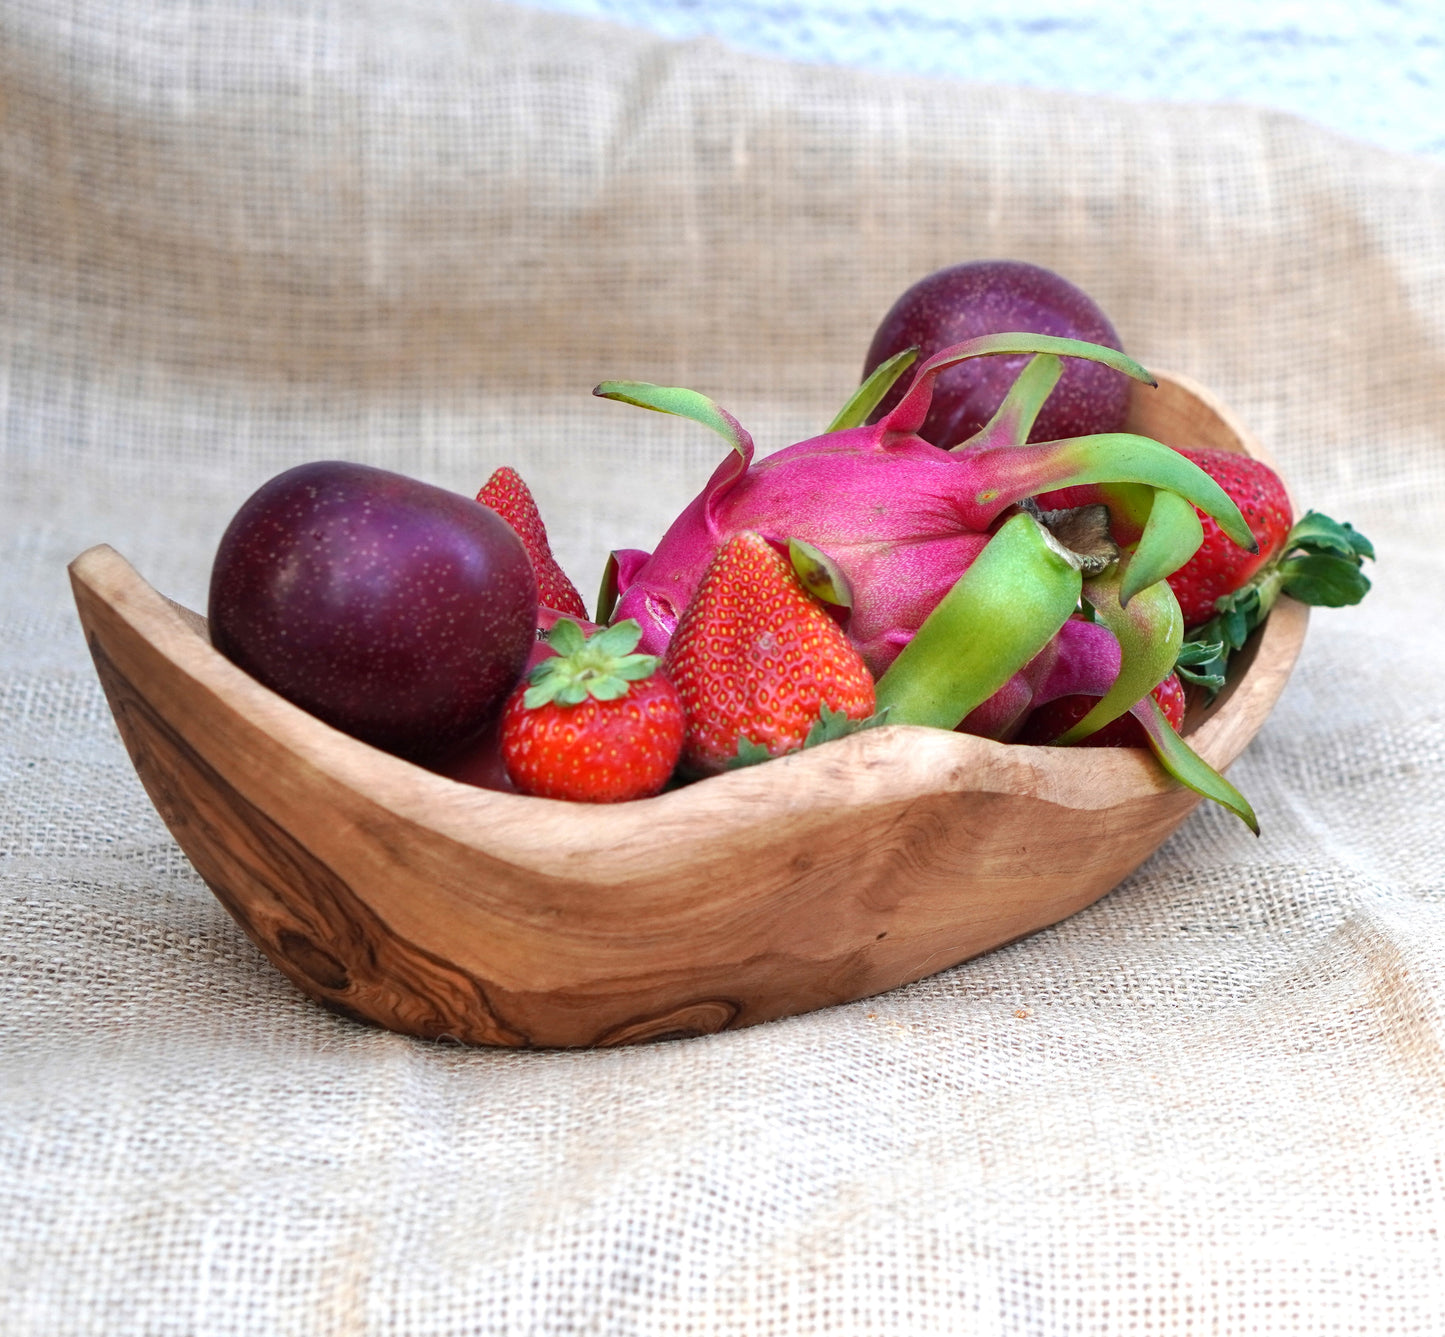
x,y
962,595
897,519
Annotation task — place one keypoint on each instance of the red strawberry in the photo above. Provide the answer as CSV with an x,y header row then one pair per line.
x,y
1220,567
595,723
509,496
757,659
1051,720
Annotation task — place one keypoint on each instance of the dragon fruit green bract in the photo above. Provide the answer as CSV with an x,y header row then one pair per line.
x,y
949,578
900,519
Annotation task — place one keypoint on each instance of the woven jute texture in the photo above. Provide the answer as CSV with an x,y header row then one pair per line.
x,y
239,234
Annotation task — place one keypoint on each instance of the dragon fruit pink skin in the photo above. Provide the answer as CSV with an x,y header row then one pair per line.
x,y
900,518
887,515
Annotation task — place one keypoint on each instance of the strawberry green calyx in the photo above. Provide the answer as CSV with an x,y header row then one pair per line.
x,y
830,726
870,394
600,666
1149,632
1319,564
1000,613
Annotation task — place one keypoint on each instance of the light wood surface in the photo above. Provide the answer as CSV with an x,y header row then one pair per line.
x,y
400,897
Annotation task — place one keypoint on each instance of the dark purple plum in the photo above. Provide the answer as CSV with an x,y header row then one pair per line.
x,y
995,297
398,612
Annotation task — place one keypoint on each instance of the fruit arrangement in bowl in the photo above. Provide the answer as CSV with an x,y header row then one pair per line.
x,y
874,703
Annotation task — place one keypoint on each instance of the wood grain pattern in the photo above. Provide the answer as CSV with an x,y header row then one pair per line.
x,y
437,909
322,935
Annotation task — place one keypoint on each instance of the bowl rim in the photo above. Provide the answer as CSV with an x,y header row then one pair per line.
x,y
892,763
433,907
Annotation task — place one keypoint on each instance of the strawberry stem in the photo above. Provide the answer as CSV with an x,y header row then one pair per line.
x,y
1318,563
601,666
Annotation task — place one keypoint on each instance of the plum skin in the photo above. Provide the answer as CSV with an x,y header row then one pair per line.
x,y
398,612
995,297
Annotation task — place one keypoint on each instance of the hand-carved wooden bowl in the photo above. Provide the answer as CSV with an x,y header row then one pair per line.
x,y
390,893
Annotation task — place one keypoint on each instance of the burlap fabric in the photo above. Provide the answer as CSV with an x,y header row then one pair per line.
x,y
236,236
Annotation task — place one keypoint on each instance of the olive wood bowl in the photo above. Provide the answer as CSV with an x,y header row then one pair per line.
x,y
395,895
